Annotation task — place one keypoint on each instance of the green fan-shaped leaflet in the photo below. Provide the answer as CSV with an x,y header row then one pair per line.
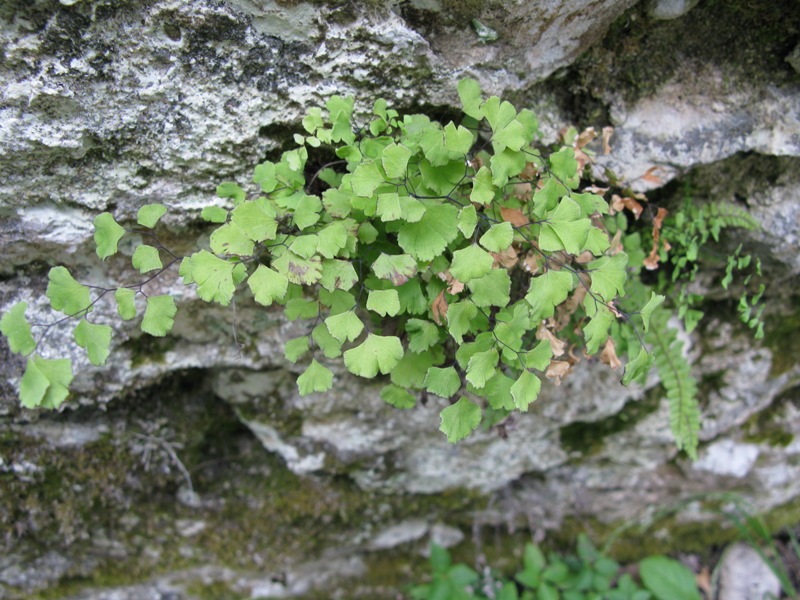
x,y
384,302
107,234
267,285
566,228
525,390
376,353
95,339
493,289
297,269
427,238
17,330
316,378
345,326
214,276
443,382
126,306
498,238
460,419
66,294
608,276
482,366
294,349
330,346
397,268
470,263
149,214
45,383
398,397
159,316
256,220
421,335
548,291
145,258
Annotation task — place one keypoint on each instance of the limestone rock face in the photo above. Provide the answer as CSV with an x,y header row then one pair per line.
x,y
190,464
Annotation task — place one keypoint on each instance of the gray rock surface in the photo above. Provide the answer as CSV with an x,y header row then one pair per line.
x,y
191,464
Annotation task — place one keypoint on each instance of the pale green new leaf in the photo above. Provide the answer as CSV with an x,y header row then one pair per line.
x,y
539,357
409,372
427,238
376,353
397,268
214,214
229,239
345,326
213,276
460,419
107,234
145,258
421,335
467,220
596,330
159,316
95,339
459,319
482,367
525,390
66,294
316,378
230,189
17,330
483,189
638,368
330,346
442,382
470,263
395,160
366,179
45,382
305,246
548,291
469,91
652,304
608,276
493,289
398,397
267,285
256,220
498,238
126,306
306,213
564,166
149,214
295,348
301,308
565,228
384,302
457,140
331,239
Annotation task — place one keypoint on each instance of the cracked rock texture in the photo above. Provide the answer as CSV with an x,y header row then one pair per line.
x,y
189,467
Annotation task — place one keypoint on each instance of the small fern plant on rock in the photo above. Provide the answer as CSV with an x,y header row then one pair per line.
x,y
458,260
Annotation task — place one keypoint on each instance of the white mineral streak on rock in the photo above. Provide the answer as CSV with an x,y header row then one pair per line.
x,y
727,457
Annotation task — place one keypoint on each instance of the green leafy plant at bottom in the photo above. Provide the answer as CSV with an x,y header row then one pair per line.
x,y
589,575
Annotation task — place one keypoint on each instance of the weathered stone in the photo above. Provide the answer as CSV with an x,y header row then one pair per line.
x,y
197,449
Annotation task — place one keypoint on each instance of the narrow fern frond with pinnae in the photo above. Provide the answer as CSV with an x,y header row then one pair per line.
x,y
675,373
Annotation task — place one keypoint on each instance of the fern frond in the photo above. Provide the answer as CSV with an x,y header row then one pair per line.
x,y
723,215
676,376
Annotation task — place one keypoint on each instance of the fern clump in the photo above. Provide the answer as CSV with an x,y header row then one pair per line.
x,y
456,259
